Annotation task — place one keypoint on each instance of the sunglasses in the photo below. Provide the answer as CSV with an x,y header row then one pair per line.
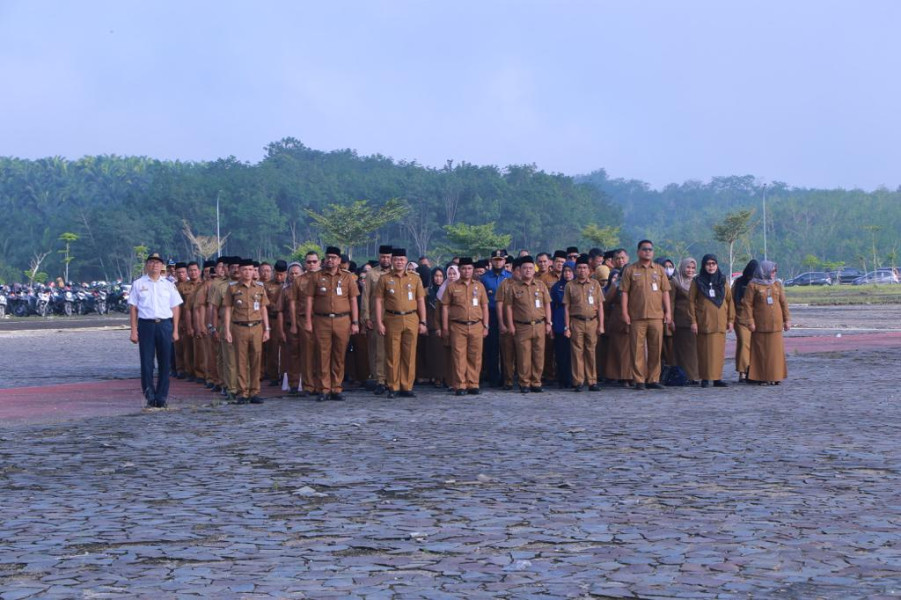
x,y
646,248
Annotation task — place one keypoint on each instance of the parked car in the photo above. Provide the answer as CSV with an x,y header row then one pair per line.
x,y
877,278
813,278
845,275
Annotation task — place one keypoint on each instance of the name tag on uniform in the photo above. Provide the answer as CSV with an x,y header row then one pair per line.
x,y
338,291
475,301
256,306
590,299
711,293
653,287
769,299
537,302
409,295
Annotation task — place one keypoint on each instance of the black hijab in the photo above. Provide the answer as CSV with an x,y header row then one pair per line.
x,y
433,289
711,281
738,288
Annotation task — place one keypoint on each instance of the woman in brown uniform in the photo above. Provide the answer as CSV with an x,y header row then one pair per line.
x,y
685,343
742,335
434,348
712,314
618,355
765,312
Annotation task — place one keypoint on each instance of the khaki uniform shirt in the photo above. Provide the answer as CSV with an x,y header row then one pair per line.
x,y
645,285
548,278
464,302
216,293
528,300
706,315
332,294
367,301
765,307
298,292
273,292
248,301
583,299
399,292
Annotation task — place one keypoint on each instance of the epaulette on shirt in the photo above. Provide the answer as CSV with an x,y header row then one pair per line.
x,y
260,283
232,283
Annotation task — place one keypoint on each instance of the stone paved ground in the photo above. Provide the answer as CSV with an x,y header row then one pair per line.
x,y
788,492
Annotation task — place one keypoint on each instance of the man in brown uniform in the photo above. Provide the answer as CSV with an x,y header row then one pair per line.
x,y
202,317
273,282
247,327
194,328
303,355
184,349
645,309
399,305
331,317
215,300
464,317
528,308
548,276
507,343
583,308
367,306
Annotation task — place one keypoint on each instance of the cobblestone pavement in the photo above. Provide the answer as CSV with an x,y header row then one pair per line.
x,y
788,492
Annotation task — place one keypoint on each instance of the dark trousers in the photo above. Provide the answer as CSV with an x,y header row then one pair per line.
x,y
155,340
562,353
492,353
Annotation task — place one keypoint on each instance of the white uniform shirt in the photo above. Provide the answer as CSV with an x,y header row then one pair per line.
x,y
154,299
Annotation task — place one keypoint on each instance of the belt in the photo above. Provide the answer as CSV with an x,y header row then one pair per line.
x,y
591,318
466,322
246,323
154,320
400,313
332,315
535,322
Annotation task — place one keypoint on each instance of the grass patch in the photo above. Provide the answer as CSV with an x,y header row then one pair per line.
x,y
844,294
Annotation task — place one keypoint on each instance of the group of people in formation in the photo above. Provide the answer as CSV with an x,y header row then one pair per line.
x,y
577,320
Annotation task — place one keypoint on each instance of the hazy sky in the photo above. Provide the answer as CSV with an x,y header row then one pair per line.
x,y
799,91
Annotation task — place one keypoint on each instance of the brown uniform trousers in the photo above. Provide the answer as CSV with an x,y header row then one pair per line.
x,y
331,325
184,347
271,369
247,303
376,342
400,294
645,285
508,357
583,346
225,360
302,351
465,304
205,358
550,360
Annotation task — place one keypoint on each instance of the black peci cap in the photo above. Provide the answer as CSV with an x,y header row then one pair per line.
x,y
385,249
399,252
281,266
465,260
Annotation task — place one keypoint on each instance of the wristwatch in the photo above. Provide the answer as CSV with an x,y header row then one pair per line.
x,y
422,323
354,322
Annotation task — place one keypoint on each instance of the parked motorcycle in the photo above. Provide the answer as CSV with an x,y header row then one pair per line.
x,y
3,302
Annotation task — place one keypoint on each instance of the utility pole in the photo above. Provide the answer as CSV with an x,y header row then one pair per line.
x,y
764,221
219,242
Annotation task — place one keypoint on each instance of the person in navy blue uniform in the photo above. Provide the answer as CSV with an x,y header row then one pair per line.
x,y
492,350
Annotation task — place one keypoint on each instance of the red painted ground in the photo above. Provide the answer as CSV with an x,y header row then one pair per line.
x,y
56,403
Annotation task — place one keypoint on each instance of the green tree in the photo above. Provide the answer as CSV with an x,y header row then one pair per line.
x,y
351,225
300,251
603,237
731,229
474,240
68,238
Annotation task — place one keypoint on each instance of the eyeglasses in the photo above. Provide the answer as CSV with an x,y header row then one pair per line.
x,y
312,262
709,264
646,248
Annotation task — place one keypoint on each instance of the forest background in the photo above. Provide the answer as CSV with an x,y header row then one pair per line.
x,y
99,214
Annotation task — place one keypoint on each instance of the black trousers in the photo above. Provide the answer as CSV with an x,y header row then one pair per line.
x,y
492,350
155,341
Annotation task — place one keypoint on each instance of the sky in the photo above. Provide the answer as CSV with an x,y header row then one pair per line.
x,y
801,91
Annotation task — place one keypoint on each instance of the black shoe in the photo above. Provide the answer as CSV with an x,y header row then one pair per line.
x,y
507,388
720,383
274,383
380,389
229,397
337,396
524,389
639,386
577,388
302,393
654,386
256,400
243,400
217,388
179,375
407,394
705,383
594,388
321,397
460,393
392,394
536,389
473,391
210,386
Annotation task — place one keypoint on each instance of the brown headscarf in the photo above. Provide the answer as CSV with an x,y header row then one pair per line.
x,y
680,278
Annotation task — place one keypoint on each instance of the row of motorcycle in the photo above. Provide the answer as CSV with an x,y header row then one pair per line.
x,y
44,301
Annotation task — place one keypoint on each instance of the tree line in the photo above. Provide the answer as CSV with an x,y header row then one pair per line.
x,y
93,217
